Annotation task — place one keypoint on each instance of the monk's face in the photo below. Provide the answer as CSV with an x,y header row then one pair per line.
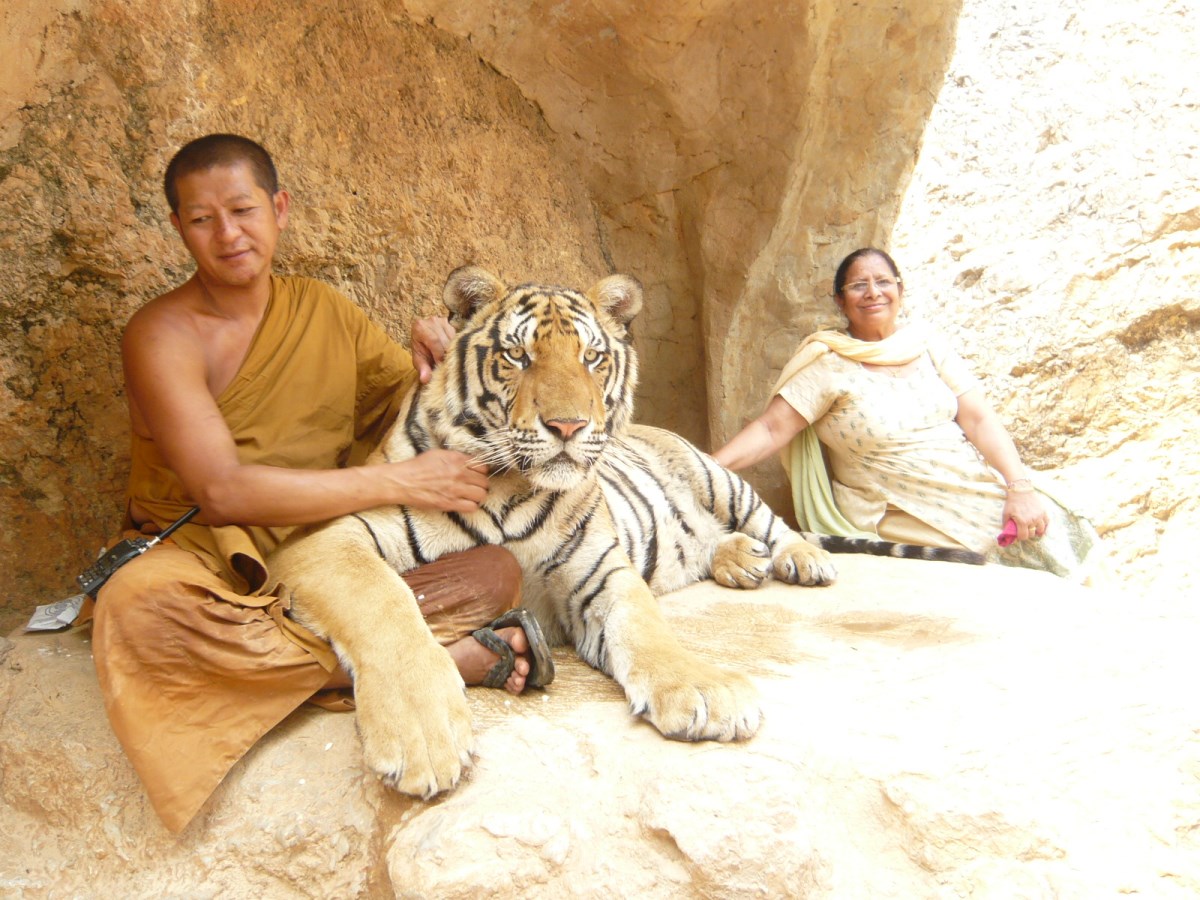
x,y
229,224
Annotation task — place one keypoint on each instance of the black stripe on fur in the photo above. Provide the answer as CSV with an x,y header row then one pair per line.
x,y
836,544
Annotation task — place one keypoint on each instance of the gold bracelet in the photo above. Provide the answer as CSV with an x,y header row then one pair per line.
x,y
1020,486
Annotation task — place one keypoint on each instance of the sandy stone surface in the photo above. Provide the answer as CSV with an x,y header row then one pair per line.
x,y
1053,227
931,730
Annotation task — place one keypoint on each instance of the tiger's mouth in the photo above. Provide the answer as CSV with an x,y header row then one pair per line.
x,y
559,472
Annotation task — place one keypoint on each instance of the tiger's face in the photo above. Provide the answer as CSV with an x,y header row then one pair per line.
x,y
539,379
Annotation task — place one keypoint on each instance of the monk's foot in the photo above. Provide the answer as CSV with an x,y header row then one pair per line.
x,y
474,660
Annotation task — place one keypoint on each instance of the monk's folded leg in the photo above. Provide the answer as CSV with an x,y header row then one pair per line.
x,y
461,592
192,675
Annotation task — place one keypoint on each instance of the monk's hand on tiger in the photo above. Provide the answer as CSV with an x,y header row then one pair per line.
x,y
444,480
430,338
1028,511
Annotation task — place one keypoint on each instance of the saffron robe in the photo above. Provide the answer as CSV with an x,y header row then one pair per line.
x,y
196,658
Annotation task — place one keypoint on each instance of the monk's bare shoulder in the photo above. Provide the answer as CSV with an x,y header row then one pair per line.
x,y
162,345
170,316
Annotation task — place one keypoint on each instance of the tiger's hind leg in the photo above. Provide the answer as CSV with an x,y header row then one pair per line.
x,y
740,561
755,536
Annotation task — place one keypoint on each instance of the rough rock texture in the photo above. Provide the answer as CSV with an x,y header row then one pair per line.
x,y
933,731
999,735
734,151
405,154
1053,225
691,144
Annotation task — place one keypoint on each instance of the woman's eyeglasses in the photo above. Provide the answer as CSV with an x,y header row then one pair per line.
x,y
858,288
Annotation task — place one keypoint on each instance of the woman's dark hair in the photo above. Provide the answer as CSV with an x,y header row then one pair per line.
x,y
219,150
839,280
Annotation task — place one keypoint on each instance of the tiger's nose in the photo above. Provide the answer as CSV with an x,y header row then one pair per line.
x,y
566,427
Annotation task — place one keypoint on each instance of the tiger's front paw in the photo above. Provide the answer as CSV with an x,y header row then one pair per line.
x,y
799,562
697,702
415,724
740,561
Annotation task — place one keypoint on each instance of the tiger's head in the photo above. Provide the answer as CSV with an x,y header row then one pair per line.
x,y
539,379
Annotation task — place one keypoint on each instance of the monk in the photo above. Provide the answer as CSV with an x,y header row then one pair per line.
x,y
256,397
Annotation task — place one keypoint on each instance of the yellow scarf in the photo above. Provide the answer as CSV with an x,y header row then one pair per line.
x,y
812,493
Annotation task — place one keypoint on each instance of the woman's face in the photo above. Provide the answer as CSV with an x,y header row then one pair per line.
x,y
870,298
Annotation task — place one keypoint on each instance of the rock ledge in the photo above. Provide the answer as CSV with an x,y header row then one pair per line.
x,y
931,730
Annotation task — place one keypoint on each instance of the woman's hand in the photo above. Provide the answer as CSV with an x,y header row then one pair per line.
x,y
1028,511
984,429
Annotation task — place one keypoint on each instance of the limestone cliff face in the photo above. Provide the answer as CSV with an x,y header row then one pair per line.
x,y
726,153
405,154
734,151
1053,225
692,146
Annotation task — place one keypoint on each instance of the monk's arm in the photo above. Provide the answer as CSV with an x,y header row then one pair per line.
x,y
170,401
763,437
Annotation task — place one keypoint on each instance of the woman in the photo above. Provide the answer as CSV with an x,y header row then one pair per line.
x,y
916,453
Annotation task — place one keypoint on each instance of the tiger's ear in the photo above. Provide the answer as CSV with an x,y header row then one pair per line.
x,y
468,288
618,295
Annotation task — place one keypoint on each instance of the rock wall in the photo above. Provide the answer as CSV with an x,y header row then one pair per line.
x,y
406,155
692,145
726,153
1053,226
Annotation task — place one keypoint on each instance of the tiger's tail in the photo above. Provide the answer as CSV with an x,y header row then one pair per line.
x,y
835,544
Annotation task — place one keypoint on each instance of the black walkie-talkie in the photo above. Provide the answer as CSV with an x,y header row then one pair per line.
x,y
110,560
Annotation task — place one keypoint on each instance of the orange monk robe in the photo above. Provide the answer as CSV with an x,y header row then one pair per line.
x,y
195,659
318,387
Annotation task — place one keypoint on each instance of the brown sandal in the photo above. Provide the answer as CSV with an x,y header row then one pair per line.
x,y
541,664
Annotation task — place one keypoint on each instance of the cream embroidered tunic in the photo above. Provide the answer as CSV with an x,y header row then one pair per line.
x,y
892,440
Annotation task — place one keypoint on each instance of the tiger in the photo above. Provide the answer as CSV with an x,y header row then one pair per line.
x,y
602,514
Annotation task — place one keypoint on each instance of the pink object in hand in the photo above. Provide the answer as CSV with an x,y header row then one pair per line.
x,y
1008,535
